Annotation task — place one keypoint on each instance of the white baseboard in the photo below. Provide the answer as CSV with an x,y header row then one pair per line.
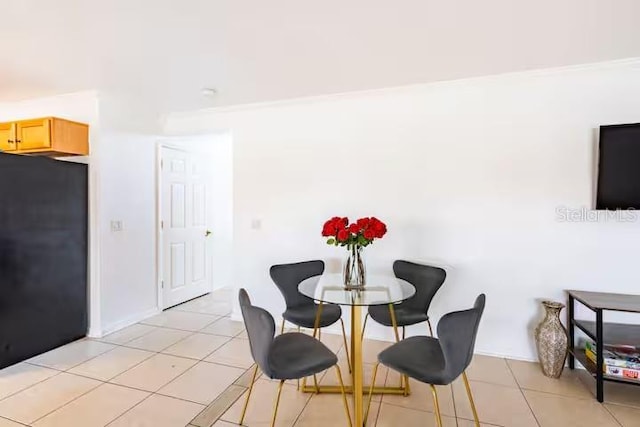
x,y
236,317
121,324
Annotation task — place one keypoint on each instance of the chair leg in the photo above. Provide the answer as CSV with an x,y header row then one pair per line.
x,y
316,323
246,402
275,408
344,395
364,326
373,384
346,347
436,404
473,405
394,323
407,387
404,331
430,328
315,384
282,327
298,380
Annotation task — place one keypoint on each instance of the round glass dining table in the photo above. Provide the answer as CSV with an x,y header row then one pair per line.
x,y
379,290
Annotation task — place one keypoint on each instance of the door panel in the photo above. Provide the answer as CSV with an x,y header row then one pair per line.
x,y
7,137
199,260
178,270
33,134
199,214
184,223
178,205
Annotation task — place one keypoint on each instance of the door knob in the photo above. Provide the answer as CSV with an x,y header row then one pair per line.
x,y
208,233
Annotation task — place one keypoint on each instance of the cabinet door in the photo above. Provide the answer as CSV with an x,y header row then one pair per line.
x,y
33,134
7,137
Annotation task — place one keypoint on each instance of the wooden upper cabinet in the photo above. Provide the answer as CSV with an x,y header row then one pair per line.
x,y
49,136
33,134
7,137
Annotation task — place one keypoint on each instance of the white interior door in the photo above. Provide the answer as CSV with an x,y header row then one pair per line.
x,y
183,227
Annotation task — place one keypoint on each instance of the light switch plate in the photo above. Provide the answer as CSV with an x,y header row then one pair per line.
x,y
116,225
256,224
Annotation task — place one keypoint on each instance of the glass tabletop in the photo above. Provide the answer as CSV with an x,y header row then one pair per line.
x,y
379,290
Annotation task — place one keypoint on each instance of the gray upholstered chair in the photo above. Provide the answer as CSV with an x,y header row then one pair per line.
x,y
300,309
438,361
427,280
287,356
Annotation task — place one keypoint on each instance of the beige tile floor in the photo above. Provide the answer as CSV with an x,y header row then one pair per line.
x,y
190,366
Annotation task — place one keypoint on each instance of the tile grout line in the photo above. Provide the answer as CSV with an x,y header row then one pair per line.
x,y
612,415
128,341
522,392
14,421
386,378
193,358
453,400
67,403
129,410
32,385
295,421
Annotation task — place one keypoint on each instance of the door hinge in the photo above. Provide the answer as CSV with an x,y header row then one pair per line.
x,y
162,225
162,284
161,164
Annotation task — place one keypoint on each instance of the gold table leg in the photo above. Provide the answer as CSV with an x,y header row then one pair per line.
x,y
356,344
357,375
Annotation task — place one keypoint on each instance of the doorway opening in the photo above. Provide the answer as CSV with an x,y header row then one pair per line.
x,y
194,209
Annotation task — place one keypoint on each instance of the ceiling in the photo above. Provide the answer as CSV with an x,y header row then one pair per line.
x,y
163,52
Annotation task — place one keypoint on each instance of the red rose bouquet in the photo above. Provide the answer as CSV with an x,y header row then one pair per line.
x,y
355,237
360,233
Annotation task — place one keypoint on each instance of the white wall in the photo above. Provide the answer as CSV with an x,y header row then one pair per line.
x,y
466,174
127,191
128,263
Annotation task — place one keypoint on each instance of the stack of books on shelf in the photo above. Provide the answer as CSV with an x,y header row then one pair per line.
x,y
621,361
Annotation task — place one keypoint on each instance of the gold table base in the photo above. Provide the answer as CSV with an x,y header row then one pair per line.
x,y
335,389
357,388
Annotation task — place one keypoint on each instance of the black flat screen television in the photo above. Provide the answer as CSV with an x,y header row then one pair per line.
x,y
619,167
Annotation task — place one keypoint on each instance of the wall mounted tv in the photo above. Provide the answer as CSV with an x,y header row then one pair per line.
x,y
619,167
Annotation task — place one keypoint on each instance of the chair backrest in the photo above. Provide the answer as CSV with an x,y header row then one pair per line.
x,y
287,277
425,278
260,328
457,333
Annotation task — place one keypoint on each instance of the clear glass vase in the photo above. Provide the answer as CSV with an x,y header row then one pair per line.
x,y
354,274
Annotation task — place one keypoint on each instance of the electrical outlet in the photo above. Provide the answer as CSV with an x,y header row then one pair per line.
x,y
256,224
116,225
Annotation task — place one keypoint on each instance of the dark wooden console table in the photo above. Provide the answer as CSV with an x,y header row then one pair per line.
x,y
601,333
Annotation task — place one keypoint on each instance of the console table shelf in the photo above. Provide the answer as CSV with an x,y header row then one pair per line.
x,y
601,333
580,355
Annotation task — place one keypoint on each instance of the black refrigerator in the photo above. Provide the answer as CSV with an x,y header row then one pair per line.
x,y
43,255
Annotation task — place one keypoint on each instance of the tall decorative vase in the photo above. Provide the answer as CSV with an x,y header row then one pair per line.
x,y
551,340
354,273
